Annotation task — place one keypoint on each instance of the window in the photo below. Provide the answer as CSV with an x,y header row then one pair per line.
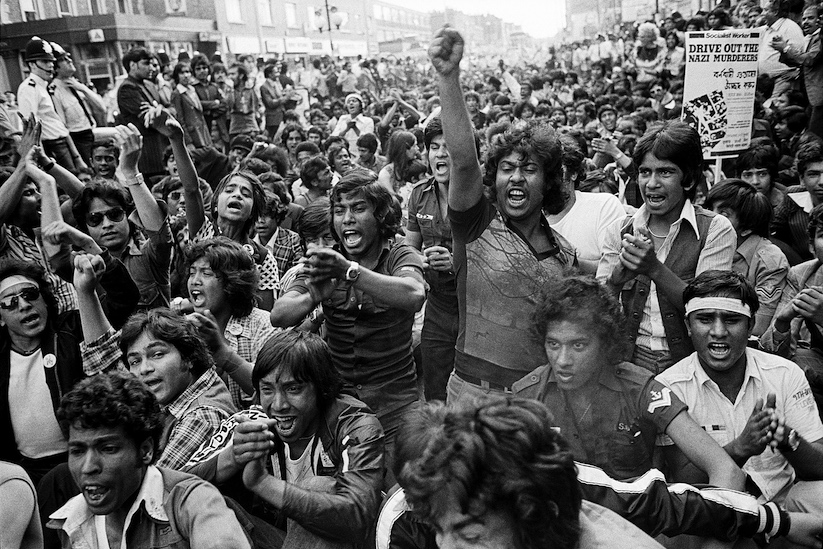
x,y
29,9
65,7
264,12
291,15
378,11
233,12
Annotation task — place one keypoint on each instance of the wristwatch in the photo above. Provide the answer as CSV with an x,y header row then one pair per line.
x,y
791,443
353,272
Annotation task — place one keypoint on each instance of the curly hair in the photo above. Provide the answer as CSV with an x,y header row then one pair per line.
x,y
536,140
308,359
496,454
258,197
35,272
582,298
171,327
234,268
113,400
364,183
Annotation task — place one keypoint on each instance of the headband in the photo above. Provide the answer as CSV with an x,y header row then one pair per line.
x,y
729,304
14,280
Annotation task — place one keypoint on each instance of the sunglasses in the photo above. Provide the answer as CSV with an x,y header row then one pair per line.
x,y
175,195
11,302
115,214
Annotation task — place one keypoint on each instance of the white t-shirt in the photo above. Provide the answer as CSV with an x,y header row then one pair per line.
x,y
32,414
585,224
725,420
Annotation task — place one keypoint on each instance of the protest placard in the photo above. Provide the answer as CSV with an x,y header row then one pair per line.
x,y
718,94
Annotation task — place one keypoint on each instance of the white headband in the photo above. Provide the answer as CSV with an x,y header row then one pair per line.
x,y
14,280
729,304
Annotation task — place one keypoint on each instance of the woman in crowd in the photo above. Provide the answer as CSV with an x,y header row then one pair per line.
x,y
187,107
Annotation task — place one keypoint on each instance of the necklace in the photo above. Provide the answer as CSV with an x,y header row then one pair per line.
x,y
649,227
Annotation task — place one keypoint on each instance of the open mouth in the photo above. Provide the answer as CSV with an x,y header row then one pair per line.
x,y
654,199
95,494
719,351
198,298
234,205
285,424
351,238
30,320
441,168
564,377
516,197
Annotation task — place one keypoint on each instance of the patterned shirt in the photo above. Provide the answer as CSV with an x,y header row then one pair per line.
x,y
102,353
266,262
15,243
195,419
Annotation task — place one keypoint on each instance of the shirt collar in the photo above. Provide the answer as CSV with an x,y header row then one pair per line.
x,y
702,377
748,247
182,402
39,79
182,89
641,217
76,512
802,199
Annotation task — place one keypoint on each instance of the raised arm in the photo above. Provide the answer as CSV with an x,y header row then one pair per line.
x,y
131,142
466,185
195,209
87,269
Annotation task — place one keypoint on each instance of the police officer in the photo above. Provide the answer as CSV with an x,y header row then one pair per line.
x,y
33,96
74,102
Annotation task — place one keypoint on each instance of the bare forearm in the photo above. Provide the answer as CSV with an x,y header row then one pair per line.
x,y
92,318
10,192
151,216
66,180
466,186
399,292
670,285
291,308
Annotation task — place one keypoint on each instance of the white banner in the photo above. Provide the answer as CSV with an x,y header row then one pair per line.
x,y
718,95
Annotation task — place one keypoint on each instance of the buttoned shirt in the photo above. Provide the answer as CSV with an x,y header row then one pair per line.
x,y
33,97
725,420
765,267
67,102
619,429
171,510
426,217
718,253
370,341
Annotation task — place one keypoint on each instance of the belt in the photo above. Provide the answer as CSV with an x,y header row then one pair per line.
x,y
58,140
482,383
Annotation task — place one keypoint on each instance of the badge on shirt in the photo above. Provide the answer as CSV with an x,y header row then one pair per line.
x,y
49,360
235,330
660,399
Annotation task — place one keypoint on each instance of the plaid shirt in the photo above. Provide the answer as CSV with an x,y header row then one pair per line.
x,y
246,336
285,246
196,421
102,353
15,243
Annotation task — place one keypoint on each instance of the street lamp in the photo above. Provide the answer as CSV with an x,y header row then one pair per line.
x,y
332,18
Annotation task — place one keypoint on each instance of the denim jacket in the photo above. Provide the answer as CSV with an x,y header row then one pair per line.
x,y
173,510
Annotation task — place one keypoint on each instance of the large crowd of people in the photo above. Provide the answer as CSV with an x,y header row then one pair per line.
x,y
404,305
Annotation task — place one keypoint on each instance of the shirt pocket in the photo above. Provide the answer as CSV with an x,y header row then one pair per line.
x,y
628,453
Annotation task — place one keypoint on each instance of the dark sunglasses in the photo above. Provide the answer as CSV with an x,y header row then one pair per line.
x,y
175,195
11,302
114,214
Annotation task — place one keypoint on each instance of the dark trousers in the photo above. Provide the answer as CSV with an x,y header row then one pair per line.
x,y
440,326
59,150
816,121
84,141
